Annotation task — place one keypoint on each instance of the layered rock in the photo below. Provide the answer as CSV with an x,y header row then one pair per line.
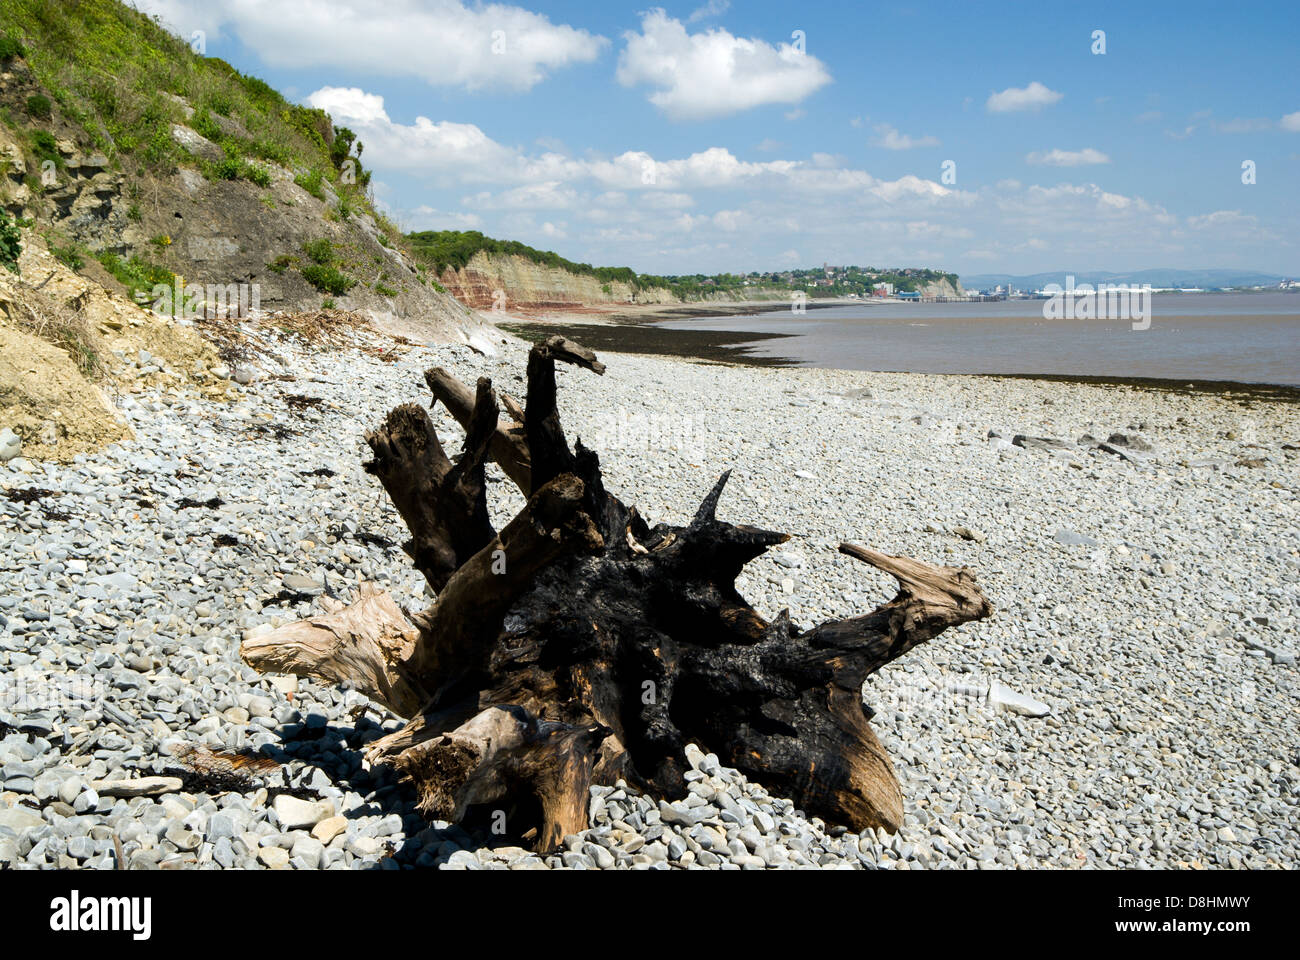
x,y
514,283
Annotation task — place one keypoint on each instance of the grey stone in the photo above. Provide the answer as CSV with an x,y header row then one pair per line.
x,y
11,445
1072,539
295,814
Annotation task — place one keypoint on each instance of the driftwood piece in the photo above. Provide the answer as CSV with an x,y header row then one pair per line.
x,y
508,446
581,645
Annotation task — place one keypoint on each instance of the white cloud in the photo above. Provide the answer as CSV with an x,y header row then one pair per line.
x,y
1222,218
1290,122
729,220
714,167
891,139
548,195
909,187
712,74
667,201
350,104
1033,97
1067,158
716,211
713,8
455,152
425,217
442,42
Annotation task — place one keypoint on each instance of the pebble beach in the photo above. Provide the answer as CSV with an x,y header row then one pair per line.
x,y
1133,702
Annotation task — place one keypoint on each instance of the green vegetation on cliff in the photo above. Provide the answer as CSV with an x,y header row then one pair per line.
x,y
453,249
117,75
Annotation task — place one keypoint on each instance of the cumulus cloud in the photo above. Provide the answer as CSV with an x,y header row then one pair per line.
x,y
442,42
1033,97
1067,158
461,152
714,73
1290,122
636,208
548,195
425,217
891,139
909,187
1222,218
714,8
714,167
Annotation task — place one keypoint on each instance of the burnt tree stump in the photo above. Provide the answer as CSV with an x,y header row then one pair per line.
x,y
581,645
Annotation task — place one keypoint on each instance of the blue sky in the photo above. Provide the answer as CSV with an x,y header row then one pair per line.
x,y
713,136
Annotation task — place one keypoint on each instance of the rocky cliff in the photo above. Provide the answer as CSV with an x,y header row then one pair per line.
x,y
942,288
209,230
515,283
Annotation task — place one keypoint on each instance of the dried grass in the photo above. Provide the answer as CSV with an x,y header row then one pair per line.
x,y
64,324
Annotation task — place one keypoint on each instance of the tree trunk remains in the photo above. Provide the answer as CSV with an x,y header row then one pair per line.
x,y
579,645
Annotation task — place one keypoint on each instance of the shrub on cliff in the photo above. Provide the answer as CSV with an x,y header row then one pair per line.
x,y
327,279
10,242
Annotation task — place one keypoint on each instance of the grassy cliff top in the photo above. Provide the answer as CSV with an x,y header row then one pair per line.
x,y
453,249
117,74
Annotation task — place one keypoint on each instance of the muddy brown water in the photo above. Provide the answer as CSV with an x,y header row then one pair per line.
x,y
1244,345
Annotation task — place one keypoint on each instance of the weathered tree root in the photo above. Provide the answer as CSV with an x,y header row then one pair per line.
x,y
579,645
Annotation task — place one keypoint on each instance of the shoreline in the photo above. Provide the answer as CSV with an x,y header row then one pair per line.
x,y
637,314
644,337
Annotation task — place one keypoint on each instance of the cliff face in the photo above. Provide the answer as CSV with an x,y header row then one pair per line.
x,y
516,283
942,288
210,231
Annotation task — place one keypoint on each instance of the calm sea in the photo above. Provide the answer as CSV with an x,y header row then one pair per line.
x,y
1249,338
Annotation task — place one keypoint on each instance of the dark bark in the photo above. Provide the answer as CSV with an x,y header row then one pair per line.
x,y
581,645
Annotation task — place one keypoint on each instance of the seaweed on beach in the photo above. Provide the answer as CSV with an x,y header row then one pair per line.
x,y
287,597
362,536
212,503
195,781
29,494
34,495
278,430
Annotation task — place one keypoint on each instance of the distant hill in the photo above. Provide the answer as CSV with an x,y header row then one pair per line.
x,y
480,270
1156,277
